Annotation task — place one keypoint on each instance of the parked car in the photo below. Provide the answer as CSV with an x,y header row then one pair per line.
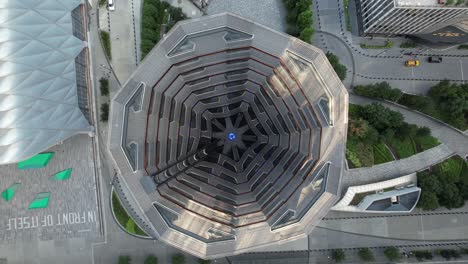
x,y
412,63
111,5
435,59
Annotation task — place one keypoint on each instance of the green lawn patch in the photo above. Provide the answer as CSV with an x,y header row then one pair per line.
x,y
123,218
404,147
382,154
102,2
359,154
348,21
388,44
425,142
106,43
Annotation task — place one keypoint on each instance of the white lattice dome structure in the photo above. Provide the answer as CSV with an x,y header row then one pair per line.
x,y
39,104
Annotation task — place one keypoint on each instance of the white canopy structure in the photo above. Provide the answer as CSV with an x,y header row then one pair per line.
x,y
38,80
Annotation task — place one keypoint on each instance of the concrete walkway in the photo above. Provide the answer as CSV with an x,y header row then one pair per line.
x,y
456,141
396,168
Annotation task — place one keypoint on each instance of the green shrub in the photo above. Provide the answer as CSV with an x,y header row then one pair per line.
x,y
338,255
106,44
382,154
404,147
388,45
426,142
125,260
339,68
178,259
151,259
408,44
104,86
104,112
381,90
352,157
306,34
123,218
423,254
449,254
102,2
299,18
392,253
204,261
428,201
366,255
463,46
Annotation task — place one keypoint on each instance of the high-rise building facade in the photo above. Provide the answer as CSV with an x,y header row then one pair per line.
x,y
406,17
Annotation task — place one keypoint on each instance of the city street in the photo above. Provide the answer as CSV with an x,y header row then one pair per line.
x,y
372,66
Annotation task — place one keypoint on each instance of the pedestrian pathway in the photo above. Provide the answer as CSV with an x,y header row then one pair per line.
x,y
395,168
456,141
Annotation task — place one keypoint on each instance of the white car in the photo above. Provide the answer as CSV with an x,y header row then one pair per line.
x,y
111,5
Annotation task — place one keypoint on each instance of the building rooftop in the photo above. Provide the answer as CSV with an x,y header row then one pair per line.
x,y
39,102
230,136
425,3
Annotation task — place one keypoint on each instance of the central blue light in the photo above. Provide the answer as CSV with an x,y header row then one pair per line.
x,y
232,136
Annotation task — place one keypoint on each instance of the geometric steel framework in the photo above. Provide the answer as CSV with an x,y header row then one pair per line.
x,y
39,100
229,136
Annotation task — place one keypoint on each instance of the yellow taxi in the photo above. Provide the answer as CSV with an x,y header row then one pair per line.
x,y
412,63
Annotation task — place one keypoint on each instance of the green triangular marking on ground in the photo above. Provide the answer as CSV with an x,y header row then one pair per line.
x,y
10,192
41,201
39,161
62,176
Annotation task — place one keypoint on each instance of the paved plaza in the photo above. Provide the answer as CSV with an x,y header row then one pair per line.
x,y
266,12
72,209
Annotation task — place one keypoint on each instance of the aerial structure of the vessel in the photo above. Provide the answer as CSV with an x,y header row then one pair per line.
x,y
229,137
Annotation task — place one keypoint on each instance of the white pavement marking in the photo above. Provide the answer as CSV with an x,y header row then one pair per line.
x,y
461,69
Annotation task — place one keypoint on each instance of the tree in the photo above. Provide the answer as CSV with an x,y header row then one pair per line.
x,y
178,259
392,253
304,19
366,254
381,117
151,259
339,68
104,112
428,201
104,86
358,128
450,196
449,254
306,34
422,254
423,132
338,255
125,260
381,90
204,261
